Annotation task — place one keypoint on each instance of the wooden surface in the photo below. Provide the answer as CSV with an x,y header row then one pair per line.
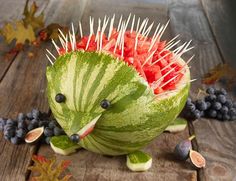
x,y
23,84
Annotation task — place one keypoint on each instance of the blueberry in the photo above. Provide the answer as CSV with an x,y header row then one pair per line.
x,y
10,122
20,133
35,113
75,138
21,117
224,109
105,104
221,98
15,140
216,105
34,121
60,98
212,113
48,132
47,140
197,114
210,90
229,103
210,98
201,105
58,131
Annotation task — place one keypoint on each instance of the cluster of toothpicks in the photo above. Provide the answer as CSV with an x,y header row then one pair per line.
x,y
107,37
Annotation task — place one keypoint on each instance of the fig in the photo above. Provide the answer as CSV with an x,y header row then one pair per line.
x,y
33,135
182,148
197,159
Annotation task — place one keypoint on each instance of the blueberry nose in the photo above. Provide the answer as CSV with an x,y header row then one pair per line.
x,y
75,138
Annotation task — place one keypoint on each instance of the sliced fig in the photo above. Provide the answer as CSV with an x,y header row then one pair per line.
x,y
197,159
34,135
182,148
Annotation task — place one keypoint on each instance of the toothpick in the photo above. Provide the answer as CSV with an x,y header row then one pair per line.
x,y
55,45
62,42
73,35
51,54
127,22
63,36
66,39
157,28
164,29
118,29
111,26
132,26
154,86
80,29
137,26
167,82
49,59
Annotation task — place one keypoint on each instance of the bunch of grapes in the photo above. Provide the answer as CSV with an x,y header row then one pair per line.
x,y
16,130
215,105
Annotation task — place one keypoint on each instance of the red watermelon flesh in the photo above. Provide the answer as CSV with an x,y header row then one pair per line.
x,y
160,66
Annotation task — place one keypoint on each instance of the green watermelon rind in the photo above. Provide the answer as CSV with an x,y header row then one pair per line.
x,y
100,76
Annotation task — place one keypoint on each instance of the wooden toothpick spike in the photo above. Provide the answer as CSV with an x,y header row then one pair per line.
x,y
154,35
66,43
155,84
73,35
71,41
62,42
137,26
111,26
55,45
132,25
167,82
80,30
118,28
51,54
138,33
49,59
164,29
63,36
127,22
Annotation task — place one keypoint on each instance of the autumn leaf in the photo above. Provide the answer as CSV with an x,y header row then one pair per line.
x,y
29,16
51,31
48,169
19,32
218,72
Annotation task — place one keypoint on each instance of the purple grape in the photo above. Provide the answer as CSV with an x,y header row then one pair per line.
x,y
216,105
47,140
224,109
210,90
20,133
221,98
58,131
212,113
229,103
48,132
210,98
201,105
15,140
35,113
29,115
21,117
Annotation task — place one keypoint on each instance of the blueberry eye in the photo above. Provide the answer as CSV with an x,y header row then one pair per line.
x,y
105,104
60,98
75,138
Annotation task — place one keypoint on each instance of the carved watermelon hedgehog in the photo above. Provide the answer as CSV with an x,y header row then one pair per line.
x,y
114,93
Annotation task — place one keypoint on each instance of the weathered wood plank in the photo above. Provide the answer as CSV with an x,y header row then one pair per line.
x,y
215,140
91,166
223,26
23,88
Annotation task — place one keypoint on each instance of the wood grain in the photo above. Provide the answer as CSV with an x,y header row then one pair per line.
x,y
23,87
91,166
215,140
223,26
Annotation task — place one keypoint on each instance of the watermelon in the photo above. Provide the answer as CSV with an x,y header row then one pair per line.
x,y
146,89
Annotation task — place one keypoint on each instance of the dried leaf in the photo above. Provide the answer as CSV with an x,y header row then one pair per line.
x,y
51,31
48,169
218,72
19,32
29,16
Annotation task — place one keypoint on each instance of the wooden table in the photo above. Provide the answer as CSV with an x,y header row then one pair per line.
x,y
209,23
